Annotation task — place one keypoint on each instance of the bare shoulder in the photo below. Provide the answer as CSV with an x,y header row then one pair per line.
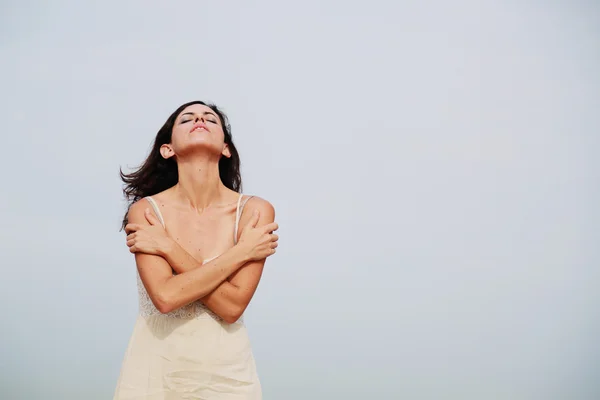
x,y
266,209
136,211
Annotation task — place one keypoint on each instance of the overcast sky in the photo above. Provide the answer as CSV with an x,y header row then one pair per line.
x,y
434,168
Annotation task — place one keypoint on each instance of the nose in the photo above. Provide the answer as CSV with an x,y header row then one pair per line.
x,y
199,118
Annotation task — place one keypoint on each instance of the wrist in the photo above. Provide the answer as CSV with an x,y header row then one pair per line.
x,y
241,253
166,251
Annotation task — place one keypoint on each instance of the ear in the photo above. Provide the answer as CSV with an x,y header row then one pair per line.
x,y
226,152
166,151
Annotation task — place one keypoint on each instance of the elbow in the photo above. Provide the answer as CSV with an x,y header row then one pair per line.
x,y
164,304
231,319
165,308
233,314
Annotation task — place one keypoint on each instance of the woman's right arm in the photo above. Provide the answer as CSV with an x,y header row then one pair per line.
x,y
169,292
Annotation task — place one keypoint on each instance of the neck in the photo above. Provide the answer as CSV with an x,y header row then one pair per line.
x,y
199,183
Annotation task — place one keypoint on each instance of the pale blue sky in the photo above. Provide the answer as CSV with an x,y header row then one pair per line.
x,y
434,167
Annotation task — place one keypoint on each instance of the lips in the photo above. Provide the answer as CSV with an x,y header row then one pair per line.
x,y
199,126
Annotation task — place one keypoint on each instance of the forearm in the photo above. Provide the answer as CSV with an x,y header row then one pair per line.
x,y
224,300
230,299
196,283
180,260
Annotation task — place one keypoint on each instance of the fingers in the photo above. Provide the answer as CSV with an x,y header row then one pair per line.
x,y
253,220
150,217
130,241
129,228
274,237
270,227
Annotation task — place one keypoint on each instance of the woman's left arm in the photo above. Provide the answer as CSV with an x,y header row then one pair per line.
x,y
230,299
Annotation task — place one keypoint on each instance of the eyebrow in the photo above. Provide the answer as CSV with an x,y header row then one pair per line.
x,y
204,113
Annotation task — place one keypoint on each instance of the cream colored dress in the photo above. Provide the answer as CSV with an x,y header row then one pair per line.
x,y
189,353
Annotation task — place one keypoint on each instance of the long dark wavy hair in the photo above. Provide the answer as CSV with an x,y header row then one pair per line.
x,y
157,174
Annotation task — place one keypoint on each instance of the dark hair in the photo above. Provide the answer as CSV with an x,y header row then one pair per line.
x,y
157,173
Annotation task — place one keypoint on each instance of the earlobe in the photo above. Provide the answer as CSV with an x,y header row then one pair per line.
x,y
166,151
226,151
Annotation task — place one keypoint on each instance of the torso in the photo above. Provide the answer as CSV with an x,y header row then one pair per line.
x,y
204,236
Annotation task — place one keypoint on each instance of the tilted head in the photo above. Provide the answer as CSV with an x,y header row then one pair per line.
x,y
194,126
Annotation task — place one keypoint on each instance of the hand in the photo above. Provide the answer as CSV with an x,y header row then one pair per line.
x,y
258,243
148,239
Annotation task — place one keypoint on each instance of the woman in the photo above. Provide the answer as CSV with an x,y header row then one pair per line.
x,y
200,247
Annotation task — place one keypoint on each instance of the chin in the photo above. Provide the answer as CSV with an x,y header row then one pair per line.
x,y
201,147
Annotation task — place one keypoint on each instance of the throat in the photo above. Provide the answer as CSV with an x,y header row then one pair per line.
x,y
200,184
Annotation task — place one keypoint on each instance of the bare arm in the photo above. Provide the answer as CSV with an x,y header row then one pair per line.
x,y
231,297
169,292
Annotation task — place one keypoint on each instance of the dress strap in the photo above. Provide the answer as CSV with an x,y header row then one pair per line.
x,y
238,215
156,210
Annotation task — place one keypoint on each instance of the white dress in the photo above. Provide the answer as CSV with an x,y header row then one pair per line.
x,y
189,353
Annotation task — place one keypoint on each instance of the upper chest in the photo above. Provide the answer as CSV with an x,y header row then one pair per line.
x,y
203,235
